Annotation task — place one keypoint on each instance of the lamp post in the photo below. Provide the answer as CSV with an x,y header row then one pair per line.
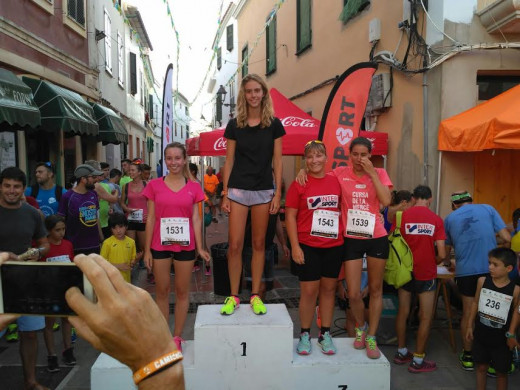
x,y
221,93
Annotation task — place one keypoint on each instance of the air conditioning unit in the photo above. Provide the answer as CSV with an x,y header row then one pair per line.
x,y
380,96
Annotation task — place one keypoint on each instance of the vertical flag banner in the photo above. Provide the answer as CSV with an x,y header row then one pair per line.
x,y
344,112
167,114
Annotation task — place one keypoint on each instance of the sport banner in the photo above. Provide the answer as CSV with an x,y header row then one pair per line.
x,y
167,114
344,112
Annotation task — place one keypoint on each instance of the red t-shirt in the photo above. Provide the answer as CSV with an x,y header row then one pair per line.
x,y
359,193
317,194
62,253
420,228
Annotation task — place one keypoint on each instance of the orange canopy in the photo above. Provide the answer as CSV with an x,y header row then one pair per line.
x,y
494,124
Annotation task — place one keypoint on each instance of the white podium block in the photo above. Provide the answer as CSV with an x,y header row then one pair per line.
x,y
348,369
108,373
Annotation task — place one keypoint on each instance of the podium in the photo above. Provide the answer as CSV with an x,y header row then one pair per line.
x,y
257,352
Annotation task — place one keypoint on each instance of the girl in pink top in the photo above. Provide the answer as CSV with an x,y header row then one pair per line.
x,y
134,204
363,190
173,231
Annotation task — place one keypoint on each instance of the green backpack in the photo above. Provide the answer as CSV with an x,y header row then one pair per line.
x,y
399,266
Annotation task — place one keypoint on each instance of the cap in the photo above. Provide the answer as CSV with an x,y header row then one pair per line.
x,y
86,170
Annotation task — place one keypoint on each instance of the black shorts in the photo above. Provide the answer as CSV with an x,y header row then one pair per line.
x,y
355,248
467,285
420,286
137,226
179,256
320,263
497,354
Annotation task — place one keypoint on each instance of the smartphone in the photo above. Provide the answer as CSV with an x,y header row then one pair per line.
x,y
38,288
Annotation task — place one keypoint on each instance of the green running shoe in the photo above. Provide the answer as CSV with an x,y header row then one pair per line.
x,y
326,344
229,306
257,305
466,361
492,373
55,326
12,333
304,345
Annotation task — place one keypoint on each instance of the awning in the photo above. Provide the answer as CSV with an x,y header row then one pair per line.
x,y
112,129
16,102
494,124
62,109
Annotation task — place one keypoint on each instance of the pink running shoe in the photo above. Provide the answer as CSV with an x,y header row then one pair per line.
x,y
425,366
178,342
359,341
371,345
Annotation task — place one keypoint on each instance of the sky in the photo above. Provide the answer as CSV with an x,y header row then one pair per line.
x,y
196,22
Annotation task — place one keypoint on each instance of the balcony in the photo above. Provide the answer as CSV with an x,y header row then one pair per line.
x,y
499,15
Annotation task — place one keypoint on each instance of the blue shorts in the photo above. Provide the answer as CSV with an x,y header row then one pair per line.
x,y
250,198
30,323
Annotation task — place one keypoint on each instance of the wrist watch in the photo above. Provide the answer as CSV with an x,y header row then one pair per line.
x,y
510,335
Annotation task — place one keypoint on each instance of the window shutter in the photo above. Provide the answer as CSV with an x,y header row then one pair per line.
x,y
229,31
271,47
150,106
133,74
304,33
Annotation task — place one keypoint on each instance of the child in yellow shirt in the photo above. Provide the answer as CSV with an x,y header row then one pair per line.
x,y
119,249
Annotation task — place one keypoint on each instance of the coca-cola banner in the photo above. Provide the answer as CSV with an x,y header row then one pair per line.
x,y
344,112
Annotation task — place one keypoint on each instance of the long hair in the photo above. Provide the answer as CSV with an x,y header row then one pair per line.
x,y
185,171
267,114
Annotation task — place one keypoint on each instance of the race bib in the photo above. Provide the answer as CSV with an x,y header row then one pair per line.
x,y
136,216
493,308
360,223
59,259
175,231
325,224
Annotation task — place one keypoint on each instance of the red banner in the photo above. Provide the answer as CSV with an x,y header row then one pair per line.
x,y
344,112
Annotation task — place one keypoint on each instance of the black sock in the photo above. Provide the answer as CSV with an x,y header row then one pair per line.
x,y
324,329
303,330
467,353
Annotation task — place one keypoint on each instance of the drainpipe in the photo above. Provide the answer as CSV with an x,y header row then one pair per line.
x,y
425,128
438,190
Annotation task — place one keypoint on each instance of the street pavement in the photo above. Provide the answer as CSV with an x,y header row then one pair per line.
x,y
448,376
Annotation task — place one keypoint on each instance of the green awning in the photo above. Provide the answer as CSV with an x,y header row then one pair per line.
x,y
112,129
62,109
16,102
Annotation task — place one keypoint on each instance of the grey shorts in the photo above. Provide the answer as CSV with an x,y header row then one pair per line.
x,y
250,198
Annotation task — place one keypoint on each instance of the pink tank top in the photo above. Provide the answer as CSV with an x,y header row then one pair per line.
x,y
136,200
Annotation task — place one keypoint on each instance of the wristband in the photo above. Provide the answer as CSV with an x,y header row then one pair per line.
x,y
510,335
157,365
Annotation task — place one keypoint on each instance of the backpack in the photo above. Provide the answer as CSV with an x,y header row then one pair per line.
x,y
58,192
399,266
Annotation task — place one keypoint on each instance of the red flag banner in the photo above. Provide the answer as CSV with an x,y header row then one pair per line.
x,y
344,112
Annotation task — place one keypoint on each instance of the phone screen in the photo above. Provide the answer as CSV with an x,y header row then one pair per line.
x,y
38,288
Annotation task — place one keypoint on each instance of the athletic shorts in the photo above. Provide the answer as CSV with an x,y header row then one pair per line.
x,y
179,256
420,286
355,248
498,355
250,198
268,274
30,323
319,263
137,226
467,285
212,199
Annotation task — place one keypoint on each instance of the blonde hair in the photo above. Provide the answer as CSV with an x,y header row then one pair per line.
x,y
185,171
314,146
266,104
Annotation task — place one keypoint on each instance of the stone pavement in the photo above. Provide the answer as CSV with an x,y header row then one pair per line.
x,y
449,376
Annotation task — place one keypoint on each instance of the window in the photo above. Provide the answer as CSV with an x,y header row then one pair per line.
x,y
490,86
303,25
108,43
120,64
245,60
270,61
219,58
229,37
351,8
133,74
151,106
175,125
76,11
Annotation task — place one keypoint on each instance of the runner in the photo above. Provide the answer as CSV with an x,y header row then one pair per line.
x,y
314,228
46,192
173,231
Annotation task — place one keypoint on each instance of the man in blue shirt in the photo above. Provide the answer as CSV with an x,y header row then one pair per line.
x,y
471,229
46,192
